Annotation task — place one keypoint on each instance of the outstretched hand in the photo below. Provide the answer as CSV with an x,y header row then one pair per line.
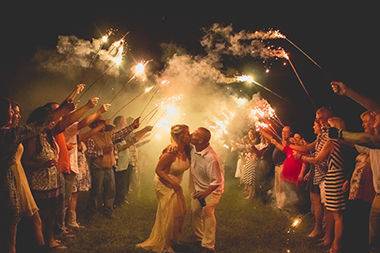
x,y
92,102
339,88
136,123
104,108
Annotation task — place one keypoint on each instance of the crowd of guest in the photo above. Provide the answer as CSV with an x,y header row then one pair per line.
x,y
339,170
58,153
63,150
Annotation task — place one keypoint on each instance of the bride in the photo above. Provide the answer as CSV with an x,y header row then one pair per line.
x,y
171,201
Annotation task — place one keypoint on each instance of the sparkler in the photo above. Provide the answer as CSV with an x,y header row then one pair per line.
x,y
249,79
154,111
146,105
304,53
240,101
139,71
97,79
129,102
296,222
301,82
116,61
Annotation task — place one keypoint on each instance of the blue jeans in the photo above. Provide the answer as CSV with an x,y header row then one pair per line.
x,y
103,188
123,181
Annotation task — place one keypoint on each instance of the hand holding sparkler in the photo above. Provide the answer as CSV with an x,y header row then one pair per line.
x,y
339,88
92,102
104,108
136,123
76,91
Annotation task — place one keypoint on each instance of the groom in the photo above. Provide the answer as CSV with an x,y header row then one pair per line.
x,y
207,185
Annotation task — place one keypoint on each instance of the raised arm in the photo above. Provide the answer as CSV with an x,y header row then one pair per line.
x,y
74,116
303,148
342,89
94,116
75,92
364,139
136,137
321,156
273,140
121,134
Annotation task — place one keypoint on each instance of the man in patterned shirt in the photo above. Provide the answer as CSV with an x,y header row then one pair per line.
x,y
102,161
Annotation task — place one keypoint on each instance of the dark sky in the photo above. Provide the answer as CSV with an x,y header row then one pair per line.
x,y
342,37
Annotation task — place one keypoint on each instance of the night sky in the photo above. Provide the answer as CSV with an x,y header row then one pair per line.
x,y
341,37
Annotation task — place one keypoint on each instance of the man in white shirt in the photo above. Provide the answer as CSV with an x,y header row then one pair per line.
x,y
207,186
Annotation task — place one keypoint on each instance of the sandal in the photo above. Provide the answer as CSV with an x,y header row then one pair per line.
x,y
56,244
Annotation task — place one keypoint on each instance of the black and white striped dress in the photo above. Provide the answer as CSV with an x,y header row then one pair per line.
x,y
320,168
249,169
334,179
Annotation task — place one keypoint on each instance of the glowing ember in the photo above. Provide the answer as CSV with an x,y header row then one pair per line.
x,y
147,89
118,60
240,101
139,69
296,222
165,82
105,38
245,78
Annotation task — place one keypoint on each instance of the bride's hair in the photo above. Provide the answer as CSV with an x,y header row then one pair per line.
x,y
176,132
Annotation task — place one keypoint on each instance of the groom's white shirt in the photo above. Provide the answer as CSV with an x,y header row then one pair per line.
x,y
206,170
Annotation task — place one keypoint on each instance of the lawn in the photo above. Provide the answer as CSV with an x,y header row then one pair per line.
x,y
243,226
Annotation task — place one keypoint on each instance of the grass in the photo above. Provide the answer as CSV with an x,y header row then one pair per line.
x,y
243,226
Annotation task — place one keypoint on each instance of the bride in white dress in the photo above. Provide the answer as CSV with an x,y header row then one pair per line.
x,y
171,201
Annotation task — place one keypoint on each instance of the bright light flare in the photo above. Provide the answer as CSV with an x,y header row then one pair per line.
x,y
171,110
261,125
296,222
104,39
245,78
240,101
226,146
139,69
118,60
165,82
148,89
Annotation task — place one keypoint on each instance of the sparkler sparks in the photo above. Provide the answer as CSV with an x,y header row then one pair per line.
x,y
104,39
249,79
296,222
148,89
240,102
245,78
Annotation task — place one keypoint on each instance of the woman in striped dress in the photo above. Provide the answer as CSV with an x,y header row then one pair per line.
x,y
252,156
249,166
334,184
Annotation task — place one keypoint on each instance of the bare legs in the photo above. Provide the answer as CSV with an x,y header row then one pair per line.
x,y
317,210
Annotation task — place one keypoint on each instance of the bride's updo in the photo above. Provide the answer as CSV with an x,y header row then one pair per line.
x,y
178,131
180,135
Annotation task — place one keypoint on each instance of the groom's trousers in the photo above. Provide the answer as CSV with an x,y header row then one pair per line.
x,y
204,221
